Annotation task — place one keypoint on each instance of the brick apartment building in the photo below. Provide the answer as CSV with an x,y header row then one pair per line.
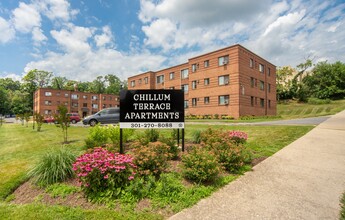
x,y
47,100
232,81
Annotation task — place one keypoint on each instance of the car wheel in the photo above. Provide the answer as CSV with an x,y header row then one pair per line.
x,y
74,121
93,122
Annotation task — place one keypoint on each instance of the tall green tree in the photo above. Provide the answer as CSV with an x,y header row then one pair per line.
x,y
284,82
5,102
327,81
298,89
59,82
113,84
98,85
9,84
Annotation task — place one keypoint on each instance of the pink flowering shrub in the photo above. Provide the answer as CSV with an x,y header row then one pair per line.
x,y
239,137
103,171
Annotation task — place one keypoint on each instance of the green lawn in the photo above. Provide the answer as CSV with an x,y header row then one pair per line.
x,y
20,147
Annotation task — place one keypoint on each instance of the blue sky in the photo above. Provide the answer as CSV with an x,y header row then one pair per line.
x,y
85,39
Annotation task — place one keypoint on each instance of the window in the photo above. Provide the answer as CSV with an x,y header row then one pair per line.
x,y
194,102
256,101
104,106
160,79
207,81
110,105
84,96
66,103
261,68
85,105
47,112
171,75
66,95
262,103
252,100
75,104
139,81
95,106
251,63
269,103
223,80
262,85
172,87
185,103
47,102
185,88
269,71
146,80
223,60
94,97
206,100
252,82
223,100
58,94
184,73
110,98
194,67
206,63
194,83
132,83
269,87
74,96
48,94
104,97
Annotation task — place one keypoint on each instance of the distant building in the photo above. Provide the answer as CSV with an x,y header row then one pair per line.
x,y
47,100
232,81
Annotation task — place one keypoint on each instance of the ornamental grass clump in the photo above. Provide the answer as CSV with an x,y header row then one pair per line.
x,y
239,137
103,173
53,167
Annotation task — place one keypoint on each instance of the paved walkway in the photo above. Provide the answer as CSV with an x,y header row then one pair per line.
x,y
305,180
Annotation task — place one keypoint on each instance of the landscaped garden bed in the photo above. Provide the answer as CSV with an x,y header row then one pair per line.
x,y
170,180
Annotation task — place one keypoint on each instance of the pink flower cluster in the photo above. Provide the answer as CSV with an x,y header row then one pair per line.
x,y
238,135
100,161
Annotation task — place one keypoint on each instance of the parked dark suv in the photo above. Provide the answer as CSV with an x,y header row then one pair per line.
x,y
105,116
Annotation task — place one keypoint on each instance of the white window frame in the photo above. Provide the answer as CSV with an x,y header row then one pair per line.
x,y
223,80
224,60
48,93
160,79
223,99
184,73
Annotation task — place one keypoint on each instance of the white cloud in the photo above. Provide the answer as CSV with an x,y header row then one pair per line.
x,y
26,17
97,62
38,36
7,32
56,9
106,38
74,39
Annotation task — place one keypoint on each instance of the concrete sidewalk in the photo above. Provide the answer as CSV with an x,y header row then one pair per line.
x,y
305,180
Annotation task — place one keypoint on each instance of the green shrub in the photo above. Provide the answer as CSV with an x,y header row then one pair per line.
x,y
227,145
151,159
168,188
196,136
98,136
200,165
152,135
173,148
139,188
316,101
61,190
114,135
53,167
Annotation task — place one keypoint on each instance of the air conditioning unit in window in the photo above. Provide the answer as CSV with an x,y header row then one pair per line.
x,y
226,83
226,102
225,62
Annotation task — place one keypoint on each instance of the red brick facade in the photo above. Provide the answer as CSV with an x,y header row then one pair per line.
x,y
232,81
47,100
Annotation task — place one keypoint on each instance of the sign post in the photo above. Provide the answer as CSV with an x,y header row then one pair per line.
x,y
152,109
